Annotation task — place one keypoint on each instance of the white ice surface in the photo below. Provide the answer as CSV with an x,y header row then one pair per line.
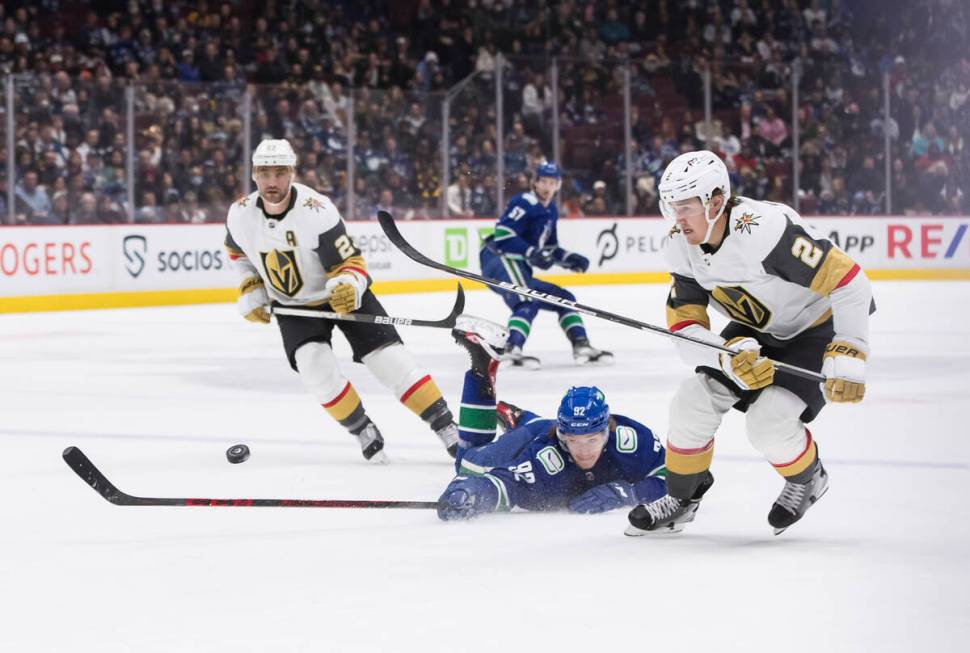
x,y
155,396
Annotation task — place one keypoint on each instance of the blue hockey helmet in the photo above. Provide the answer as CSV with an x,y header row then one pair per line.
x,y
583,411
547,169
583,424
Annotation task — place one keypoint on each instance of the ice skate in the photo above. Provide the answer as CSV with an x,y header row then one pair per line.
x,y
515,358
483,340
586,354
667,514
448,435
371,444
796,498
508,415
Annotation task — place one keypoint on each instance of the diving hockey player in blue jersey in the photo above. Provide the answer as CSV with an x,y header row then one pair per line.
x,y
586,459
525,238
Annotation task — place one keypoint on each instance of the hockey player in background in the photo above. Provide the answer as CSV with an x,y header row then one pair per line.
x,y
791,296
291,248
525,238
586,459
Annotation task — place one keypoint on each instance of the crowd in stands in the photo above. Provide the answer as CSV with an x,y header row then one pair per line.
x,y
188,68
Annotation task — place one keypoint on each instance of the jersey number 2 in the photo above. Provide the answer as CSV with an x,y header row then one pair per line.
x,y
806,252
344,246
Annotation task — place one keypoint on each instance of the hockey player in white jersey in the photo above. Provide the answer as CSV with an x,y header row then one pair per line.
x,y
291,248
791,295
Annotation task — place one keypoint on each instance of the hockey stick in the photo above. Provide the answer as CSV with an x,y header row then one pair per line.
x,y
91,475
390,228
444,323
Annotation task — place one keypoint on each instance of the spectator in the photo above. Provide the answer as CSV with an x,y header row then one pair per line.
x,y
191,212
87,210
459,196
59,213
598,203
34,197
772,132
149,211
483,198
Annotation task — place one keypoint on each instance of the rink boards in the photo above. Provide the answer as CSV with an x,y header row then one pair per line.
x,y
109,266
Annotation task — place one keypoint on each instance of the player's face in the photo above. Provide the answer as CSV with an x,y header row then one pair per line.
x,y
689,215
273,182
585,449
546,187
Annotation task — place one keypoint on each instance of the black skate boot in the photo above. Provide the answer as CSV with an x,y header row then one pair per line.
x,y
796,498
483,340
586,354
667,514
448,434
508,415
371,443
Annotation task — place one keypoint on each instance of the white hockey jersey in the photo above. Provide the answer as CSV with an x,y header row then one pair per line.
x,y
772,272
294,252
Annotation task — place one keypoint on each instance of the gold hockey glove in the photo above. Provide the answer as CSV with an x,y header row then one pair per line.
x,y
253,300
346,290
844,368
748,368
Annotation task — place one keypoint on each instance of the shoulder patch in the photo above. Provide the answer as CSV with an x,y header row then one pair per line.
x,y
626,439
551,460
673,231
242,201
744,222
313,204
530,197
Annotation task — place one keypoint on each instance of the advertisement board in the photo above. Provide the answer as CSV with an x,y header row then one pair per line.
x,y
45,268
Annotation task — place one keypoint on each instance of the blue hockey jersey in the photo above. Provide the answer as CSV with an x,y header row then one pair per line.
x,y
526,223
533,471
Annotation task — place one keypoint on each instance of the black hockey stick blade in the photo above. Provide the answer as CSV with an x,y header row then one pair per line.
x,y
394,234
447,322
91,475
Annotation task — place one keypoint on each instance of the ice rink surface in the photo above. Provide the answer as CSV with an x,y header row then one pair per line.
x,y
155,396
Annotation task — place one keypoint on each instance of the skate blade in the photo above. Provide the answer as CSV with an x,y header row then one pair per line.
x,y
525,365
602,361
633,531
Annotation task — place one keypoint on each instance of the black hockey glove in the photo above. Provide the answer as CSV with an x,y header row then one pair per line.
x,y
572,260
467,496
602,498
541,258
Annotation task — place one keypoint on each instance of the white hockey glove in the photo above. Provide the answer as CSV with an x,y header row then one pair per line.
x,y
346,291
844,368
253,300
748,369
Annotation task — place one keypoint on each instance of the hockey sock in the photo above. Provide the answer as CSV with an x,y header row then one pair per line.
x,y
424,399
347,409
686,468
800,469
476,418
518,332
572,325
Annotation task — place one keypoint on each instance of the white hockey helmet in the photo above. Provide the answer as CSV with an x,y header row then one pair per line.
x,y
274,152
694,174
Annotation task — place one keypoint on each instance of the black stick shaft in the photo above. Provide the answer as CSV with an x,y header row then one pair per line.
x,y
91,475
444,323
395,236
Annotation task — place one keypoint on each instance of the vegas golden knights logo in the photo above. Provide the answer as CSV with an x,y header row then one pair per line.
x,y
742,306
283,271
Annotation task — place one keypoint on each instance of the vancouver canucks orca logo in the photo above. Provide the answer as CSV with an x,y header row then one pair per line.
x,y
742,306
283,271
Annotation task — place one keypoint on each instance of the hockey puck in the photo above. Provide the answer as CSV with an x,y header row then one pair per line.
x,y
237,453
